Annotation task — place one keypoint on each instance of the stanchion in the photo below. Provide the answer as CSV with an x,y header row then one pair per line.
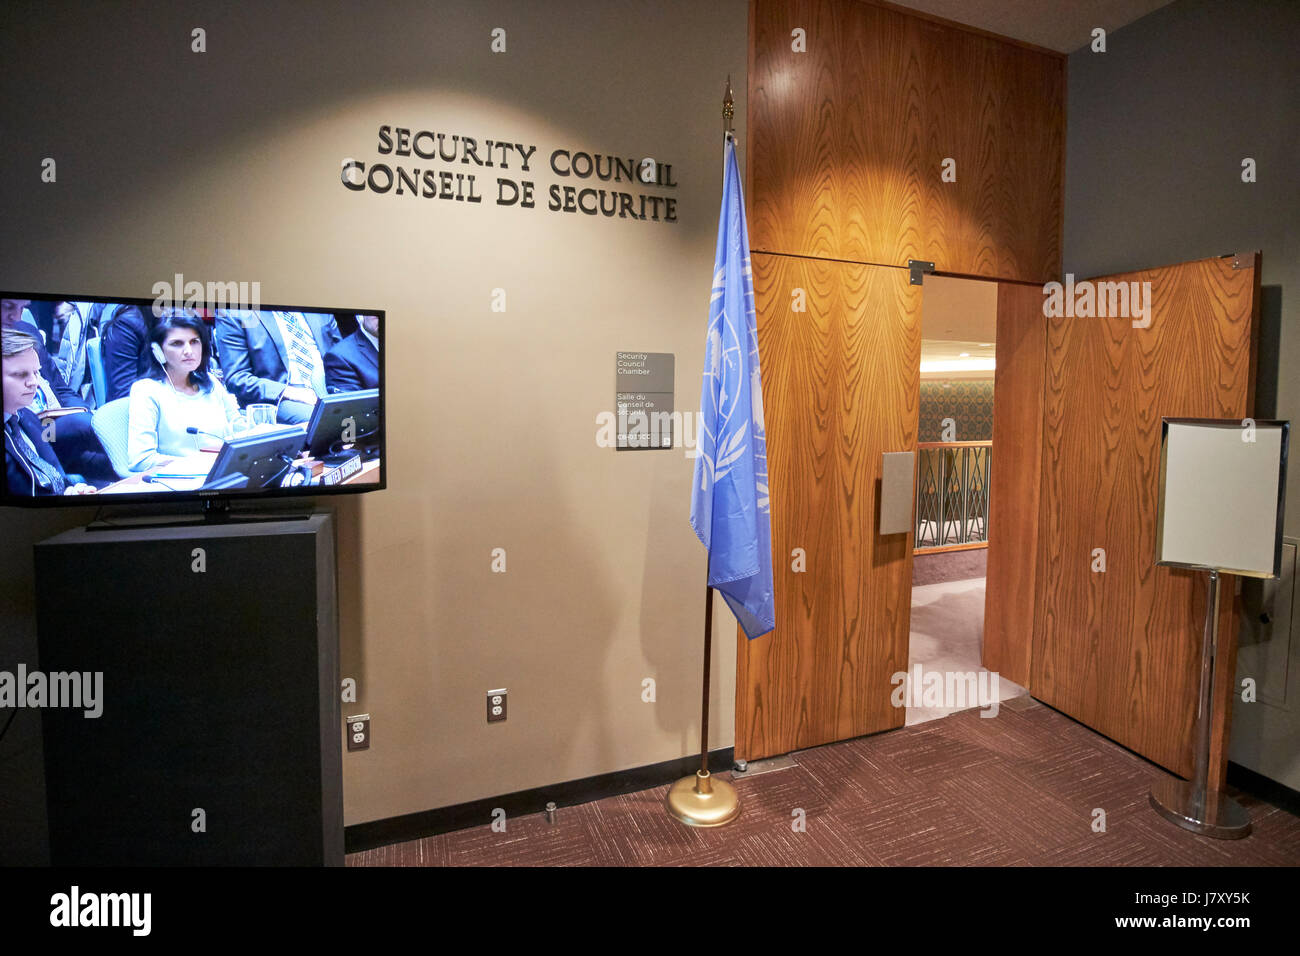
x,y
1191,804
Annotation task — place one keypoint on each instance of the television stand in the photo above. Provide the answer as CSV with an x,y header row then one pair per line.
x,y
216,511
219,511
218,679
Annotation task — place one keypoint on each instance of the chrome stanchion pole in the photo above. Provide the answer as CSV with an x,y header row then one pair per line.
x,y
1191,804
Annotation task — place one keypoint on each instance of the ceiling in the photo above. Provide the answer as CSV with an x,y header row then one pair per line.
x,y
973,354
956,360
1062,25
959,310
959,320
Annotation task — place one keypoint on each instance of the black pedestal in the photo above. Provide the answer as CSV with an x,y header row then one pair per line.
x,y
218,648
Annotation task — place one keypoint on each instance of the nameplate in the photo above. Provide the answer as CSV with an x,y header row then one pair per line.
x,y
336,476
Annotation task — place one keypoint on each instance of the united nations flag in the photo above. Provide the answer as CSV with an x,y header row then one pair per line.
x,y
729,503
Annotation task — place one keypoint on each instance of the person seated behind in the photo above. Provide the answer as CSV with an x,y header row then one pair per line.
x,y
79,447
277,358
124,347
179,393
31,466
354,363
71,332
56,393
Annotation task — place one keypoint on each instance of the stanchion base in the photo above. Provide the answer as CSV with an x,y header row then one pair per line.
x,y
702,801
1217,815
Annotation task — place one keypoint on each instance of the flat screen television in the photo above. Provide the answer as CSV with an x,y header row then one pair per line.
x,y
130,401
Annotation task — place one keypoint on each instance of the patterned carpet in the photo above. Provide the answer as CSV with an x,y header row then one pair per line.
x,y
949,566
1018,789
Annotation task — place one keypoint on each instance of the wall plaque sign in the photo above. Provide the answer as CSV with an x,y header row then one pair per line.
x,y
643,398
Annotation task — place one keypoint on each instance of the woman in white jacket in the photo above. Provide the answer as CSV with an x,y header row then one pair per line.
x,y
181,393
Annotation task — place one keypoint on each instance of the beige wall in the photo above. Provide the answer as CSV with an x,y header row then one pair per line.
x,y
224,165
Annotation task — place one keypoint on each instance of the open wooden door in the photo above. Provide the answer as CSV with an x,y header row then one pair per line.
x,y
1014,477
841,386
1118,649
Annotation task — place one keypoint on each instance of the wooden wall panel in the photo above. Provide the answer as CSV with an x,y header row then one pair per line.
x,y
846,141
835,133
1013,482
840,387
1120,650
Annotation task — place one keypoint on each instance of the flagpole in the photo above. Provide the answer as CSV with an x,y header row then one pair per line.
x,y
708,658
699,800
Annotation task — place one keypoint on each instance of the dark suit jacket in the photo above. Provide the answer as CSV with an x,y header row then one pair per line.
x,y
18,474
125,349
352,364
253,354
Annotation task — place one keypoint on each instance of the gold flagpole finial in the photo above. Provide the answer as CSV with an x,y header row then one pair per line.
x,y
728,110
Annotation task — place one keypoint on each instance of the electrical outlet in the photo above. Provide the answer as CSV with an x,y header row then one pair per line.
x,y
496,705
359,732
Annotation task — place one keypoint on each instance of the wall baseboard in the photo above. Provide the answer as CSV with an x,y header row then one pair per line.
x,y
413,826
1264,788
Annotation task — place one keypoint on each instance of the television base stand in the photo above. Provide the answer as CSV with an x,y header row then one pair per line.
x,y
216,511
214,653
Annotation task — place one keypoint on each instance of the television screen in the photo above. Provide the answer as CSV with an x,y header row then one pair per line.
x,y
129,400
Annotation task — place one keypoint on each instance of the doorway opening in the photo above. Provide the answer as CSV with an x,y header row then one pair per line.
x,y
956,453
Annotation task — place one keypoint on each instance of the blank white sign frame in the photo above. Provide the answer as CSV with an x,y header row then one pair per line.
x,y
1222,495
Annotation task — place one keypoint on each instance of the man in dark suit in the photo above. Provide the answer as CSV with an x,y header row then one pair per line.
x,y
277,358
124,336
13,315
79,446
353,364
31,466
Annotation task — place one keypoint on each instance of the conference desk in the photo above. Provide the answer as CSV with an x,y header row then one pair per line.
x,y
189,473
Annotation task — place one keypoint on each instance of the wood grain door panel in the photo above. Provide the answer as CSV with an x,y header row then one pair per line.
x,y
1119,650
841,385
1015,472
848,141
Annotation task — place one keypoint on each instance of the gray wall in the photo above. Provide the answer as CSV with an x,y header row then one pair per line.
x,y
225,166
1158,127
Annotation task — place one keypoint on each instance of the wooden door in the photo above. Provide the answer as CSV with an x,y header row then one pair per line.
x,y
889,137
1015,469
841,386
1119,649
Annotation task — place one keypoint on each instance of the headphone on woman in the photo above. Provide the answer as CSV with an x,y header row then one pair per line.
x,y
162,360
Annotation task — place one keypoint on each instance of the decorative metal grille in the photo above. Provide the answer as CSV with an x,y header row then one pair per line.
x,y
952,493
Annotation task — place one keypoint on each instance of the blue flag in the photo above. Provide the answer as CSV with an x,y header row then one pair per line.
x,y
729,502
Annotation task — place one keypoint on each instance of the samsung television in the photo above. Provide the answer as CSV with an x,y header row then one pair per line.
x,y
125,401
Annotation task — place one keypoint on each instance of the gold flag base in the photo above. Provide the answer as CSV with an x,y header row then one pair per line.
x,y
701,801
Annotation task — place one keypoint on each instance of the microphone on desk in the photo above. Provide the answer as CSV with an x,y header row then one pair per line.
x,y
199,431
151,480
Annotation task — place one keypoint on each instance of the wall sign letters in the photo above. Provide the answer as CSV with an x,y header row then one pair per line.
x,y
459,168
